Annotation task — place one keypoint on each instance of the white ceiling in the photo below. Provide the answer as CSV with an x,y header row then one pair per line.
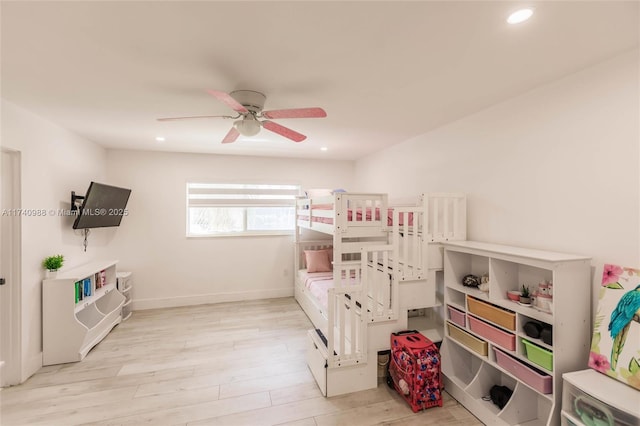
x,y
384,71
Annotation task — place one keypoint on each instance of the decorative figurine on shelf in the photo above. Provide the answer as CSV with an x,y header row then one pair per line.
x,y
543,297
484,283
471,281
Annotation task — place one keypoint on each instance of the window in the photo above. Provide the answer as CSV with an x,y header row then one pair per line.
x,y
236,209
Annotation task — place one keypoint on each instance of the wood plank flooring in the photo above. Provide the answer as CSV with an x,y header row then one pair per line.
x,y
237,363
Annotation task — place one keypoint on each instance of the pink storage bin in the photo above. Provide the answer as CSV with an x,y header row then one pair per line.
x,y
541,382
494,334
456,316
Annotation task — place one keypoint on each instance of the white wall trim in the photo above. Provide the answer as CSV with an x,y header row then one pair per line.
x,y
13,334
32,365
203,299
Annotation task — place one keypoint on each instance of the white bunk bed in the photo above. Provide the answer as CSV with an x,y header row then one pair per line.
x,y
360,266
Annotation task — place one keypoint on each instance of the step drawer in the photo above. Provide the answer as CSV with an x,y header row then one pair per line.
x,y
317,360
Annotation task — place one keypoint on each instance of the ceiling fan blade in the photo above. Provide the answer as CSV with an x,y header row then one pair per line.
x,y
283,131
227,99
296,113
231,136
195,117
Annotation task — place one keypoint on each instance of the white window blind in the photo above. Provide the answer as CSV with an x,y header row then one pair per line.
x,y
235,209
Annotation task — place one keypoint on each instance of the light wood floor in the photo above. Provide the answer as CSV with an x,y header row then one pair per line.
x,y
224,364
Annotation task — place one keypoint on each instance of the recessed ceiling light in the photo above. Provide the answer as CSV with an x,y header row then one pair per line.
x,y
160,138
324,148
520,16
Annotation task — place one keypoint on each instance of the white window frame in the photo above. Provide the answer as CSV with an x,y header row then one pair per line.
x,y
239,195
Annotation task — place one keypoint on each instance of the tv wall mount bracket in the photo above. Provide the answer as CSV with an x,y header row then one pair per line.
x,y
75,205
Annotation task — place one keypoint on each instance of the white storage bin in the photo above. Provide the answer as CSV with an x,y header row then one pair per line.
x,y
582,400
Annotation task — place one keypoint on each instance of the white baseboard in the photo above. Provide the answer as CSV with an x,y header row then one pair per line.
x,y
203,299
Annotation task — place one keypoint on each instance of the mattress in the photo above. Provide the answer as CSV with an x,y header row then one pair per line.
x,y
358,216
318,284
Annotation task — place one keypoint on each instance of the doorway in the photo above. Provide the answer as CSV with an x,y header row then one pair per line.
x,y
10,281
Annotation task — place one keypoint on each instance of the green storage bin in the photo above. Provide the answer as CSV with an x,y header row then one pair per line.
x,y
538,355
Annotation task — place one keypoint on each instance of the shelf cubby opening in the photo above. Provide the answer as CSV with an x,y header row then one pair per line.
x,y
525,322
428,321
508,276
110,276
455,298
109,302
526,407
462,264
463,365
89,316
487,377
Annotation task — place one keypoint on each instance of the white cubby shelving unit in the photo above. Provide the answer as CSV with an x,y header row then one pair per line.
x,y
71,327
613,402
474,359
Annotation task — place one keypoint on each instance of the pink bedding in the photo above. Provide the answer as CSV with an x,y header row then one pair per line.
x,y
329,220
319,284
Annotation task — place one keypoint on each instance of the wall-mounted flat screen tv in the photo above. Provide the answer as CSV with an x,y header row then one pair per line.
x,y
103,206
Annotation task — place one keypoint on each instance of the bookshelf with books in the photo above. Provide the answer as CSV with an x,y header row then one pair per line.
x,y
79,308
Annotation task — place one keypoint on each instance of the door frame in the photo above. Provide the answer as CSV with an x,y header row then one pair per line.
x,y
11,332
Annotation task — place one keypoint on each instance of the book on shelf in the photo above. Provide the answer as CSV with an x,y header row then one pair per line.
x,y
100,279
87,286
80,293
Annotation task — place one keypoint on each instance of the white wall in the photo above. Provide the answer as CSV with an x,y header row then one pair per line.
x,y
171,269
54,162
556,168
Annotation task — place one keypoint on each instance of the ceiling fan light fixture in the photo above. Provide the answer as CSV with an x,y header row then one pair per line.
x,y
248,105
247,126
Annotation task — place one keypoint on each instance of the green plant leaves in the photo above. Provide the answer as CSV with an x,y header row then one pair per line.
x,y
615,286
53,263
595,342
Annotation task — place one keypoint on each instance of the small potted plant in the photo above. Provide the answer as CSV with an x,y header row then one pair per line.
x,y
525,296
52,264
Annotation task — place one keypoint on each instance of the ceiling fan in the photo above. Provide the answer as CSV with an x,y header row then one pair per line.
x,y
248,104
